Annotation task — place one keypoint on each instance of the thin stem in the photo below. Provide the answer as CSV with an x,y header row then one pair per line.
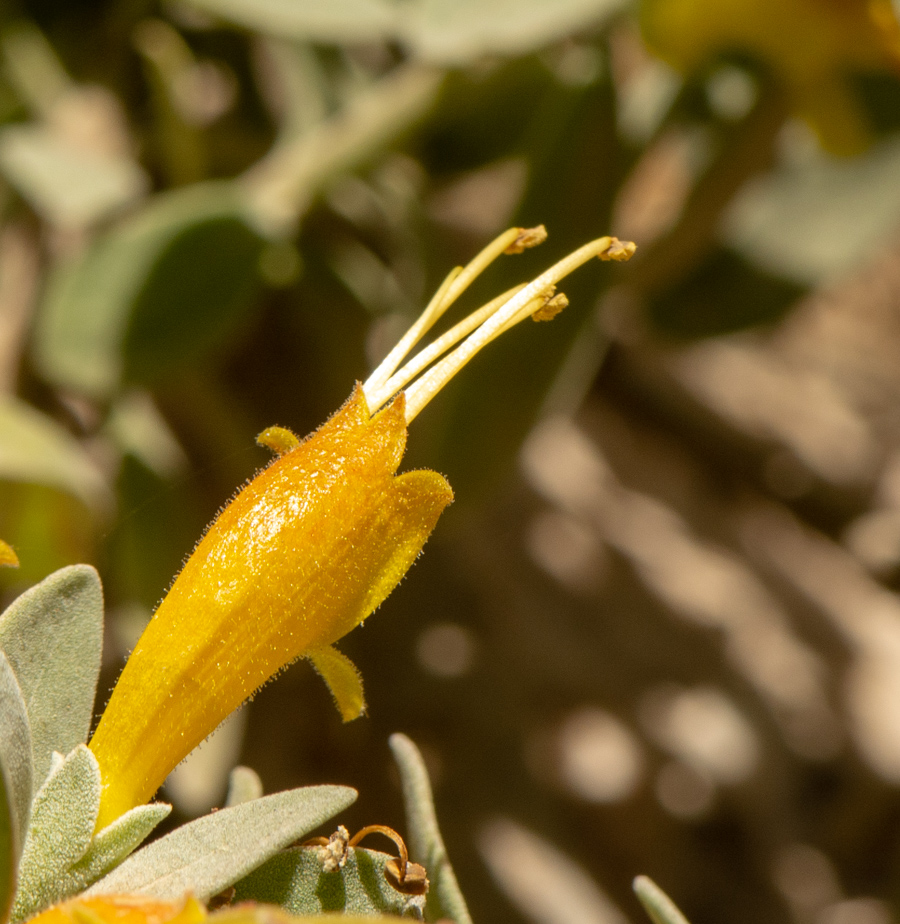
x,y
435,308
513,240
426,357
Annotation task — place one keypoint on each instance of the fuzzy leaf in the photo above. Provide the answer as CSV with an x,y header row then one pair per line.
x,y
244,785
8,849
53,635
112,845
295,881
445,900
213,852
63,816
658,905
15,757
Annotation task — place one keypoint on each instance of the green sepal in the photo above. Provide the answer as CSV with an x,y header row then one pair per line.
x,y
295,881
445,900
212,853
63,816
112,845
53,637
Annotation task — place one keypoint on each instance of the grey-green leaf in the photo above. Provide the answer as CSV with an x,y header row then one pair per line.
x,y
67,184
213,852
445,900
36,449
8,848
658,905
244,785
53,636
113,844
460,31
16,777
63,816
315,20
296,882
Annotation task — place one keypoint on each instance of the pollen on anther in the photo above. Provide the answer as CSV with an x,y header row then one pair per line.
x,y
528,237
551,308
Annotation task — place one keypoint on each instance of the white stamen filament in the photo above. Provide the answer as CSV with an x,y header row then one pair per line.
x,y
426,357
478,329
457,281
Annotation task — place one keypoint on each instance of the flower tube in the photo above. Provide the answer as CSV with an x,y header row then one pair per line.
x,y
305,551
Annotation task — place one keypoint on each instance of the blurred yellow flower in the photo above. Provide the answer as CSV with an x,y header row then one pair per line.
x,y
810,45
7,556
306,551
123,909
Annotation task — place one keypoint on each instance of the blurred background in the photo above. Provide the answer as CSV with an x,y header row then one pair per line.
x,y
659,630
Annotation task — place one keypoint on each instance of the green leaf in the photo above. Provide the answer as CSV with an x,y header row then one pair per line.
x,y
113,844
63,816
442,31
445,900
8,849
793,220
295,881
460,31
68,185
212,853
34,448
658,905
16,778
53,635
314,20
244,785
157,291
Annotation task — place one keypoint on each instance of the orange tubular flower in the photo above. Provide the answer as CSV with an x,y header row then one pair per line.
x,y
305,552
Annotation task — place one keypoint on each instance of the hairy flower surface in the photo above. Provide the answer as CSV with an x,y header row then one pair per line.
x,y
302,555
812,46
305,551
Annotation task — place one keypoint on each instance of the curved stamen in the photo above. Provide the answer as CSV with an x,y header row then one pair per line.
x,y
511,313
